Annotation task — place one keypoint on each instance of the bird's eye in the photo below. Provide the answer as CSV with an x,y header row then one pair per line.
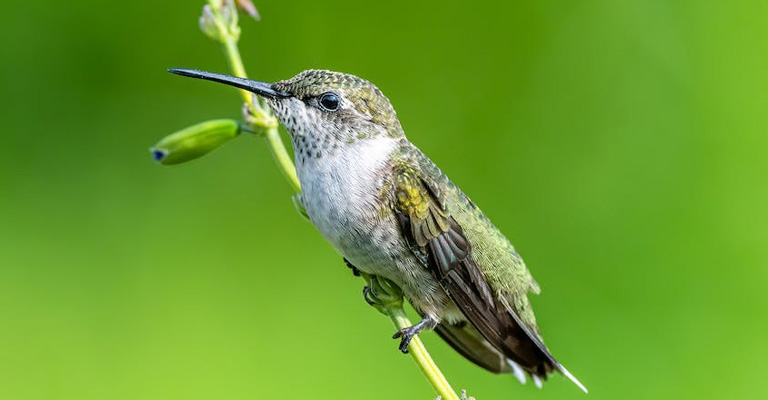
x,y
330,101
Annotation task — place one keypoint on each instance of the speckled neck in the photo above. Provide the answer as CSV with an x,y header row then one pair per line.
x,y
308,146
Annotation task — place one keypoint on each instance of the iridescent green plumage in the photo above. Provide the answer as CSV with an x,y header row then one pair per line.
x,y
473,261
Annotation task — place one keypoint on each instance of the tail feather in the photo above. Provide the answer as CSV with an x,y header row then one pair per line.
x,y
537,381
517,371
465,339
571,377
537,341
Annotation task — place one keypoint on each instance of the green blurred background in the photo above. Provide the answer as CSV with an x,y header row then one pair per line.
x,y
621,145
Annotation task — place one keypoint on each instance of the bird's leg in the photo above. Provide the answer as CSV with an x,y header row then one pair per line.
x,y
355,271
406,334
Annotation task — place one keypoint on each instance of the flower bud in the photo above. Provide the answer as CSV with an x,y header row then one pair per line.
x,y
229,14
249,8
208,24
194,141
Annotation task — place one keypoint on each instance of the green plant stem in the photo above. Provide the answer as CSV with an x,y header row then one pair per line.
x,y
396,314
232,53
276,146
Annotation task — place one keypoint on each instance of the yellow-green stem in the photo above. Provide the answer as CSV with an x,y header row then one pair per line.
x,y
283,159
236,65
280,153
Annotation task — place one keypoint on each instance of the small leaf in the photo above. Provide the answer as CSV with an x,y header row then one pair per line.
x,y
194,141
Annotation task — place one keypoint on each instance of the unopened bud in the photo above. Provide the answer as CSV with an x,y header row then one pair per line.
x,y
208,24
249,8
229,14
194,141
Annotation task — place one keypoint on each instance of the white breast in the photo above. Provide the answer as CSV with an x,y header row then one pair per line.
x,y
342,195
340,191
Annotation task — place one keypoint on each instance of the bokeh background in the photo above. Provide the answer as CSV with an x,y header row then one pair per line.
x,y
621,145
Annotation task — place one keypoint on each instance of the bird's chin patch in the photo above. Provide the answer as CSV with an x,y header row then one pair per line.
x,y
274,104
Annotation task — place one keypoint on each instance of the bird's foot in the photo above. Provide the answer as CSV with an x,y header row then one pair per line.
x,y
407,334
382,294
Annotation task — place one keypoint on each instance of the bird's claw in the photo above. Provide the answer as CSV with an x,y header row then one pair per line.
x,y
406,334
382,294
368,296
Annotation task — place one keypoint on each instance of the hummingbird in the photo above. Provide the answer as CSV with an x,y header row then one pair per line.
x,y
391,212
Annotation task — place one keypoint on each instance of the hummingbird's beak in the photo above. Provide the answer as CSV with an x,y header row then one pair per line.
x,y
261,88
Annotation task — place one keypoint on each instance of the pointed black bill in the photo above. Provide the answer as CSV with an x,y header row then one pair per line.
x,y
261,88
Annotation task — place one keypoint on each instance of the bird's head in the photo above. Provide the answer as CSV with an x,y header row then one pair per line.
x,y
321,105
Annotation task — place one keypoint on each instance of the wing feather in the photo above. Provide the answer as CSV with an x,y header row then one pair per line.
x,y
433,232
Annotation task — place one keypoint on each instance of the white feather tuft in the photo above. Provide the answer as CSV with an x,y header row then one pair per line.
x,y
517,371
